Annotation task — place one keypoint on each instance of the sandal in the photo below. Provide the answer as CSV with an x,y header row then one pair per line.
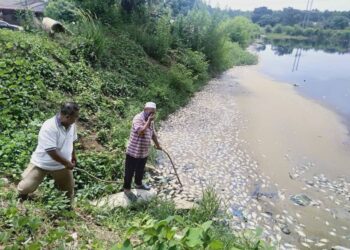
x,y
143,187
131,196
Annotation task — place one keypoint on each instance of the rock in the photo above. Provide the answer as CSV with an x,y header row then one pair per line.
x,y
150,168
120,200
184,205
301,199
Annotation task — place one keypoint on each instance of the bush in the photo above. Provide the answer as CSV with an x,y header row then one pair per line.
x,y
92,31
278,29
240,30
194,61
213,36
153,35
208,207
62,10
181,77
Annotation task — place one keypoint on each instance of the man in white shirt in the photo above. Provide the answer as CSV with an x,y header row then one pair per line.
x,y
54,155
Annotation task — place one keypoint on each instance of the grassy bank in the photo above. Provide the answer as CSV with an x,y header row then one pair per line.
x,y
112,65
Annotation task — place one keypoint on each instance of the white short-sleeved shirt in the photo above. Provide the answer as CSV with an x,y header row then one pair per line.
x,y
53,135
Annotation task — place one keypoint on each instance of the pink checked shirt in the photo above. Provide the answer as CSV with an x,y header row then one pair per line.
x,y
139,146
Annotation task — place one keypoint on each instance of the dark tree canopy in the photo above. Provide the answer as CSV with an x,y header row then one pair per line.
x,y
290,16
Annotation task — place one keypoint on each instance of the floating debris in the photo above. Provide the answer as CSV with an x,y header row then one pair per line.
x,y
285,229
301,199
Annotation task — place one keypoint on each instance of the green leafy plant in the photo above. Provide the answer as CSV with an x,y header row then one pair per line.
x,y
171,233
55,202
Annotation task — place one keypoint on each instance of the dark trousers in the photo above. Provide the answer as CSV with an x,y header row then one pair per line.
x,y
134,166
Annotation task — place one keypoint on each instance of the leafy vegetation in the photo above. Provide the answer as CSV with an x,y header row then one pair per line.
x,y
328,28
117,58
283,44
290,17
335,38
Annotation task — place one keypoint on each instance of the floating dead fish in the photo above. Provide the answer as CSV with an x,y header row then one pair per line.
x,y
309,241
305,245
333,233
301,233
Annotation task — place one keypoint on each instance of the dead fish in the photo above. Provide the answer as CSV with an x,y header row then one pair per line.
x,y
289,245
301,233
305,245
333,233
309,241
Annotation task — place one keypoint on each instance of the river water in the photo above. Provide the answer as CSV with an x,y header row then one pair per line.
x,y
318,74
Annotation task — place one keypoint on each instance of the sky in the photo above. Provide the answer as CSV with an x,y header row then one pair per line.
x,y
280,4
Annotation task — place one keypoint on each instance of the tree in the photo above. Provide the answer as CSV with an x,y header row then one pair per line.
x,y
290,16
130,5
259,12
240,30
337,22
62,10
181,6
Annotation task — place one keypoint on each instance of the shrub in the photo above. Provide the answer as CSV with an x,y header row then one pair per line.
x,y
240,30
194,61
92,31
208,207
278,28
181,77
153,35
62,10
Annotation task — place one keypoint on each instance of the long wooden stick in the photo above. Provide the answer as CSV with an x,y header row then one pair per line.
x,y
172,163
95,177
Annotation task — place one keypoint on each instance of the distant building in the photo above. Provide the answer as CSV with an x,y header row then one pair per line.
x,y
9,9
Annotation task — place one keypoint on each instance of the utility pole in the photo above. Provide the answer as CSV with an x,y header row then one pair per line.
x,y
303,25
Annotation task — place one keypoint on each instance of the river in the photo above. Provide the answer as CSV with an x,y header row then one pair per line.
x,y
274,151
323,75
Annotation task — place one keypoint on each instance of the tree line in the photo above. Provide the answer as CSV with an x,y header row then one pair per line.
x,y
290,17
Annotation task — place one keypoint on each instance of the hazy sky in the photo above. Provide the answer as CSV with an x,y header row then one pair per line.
x,y
280,4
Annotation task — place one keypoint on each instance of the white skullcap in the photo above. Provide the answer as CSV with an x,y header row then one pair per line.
x,y
150,105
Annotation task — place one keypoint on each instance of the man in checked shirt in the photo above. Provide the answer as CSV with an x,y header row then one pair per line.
x,y
142,132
